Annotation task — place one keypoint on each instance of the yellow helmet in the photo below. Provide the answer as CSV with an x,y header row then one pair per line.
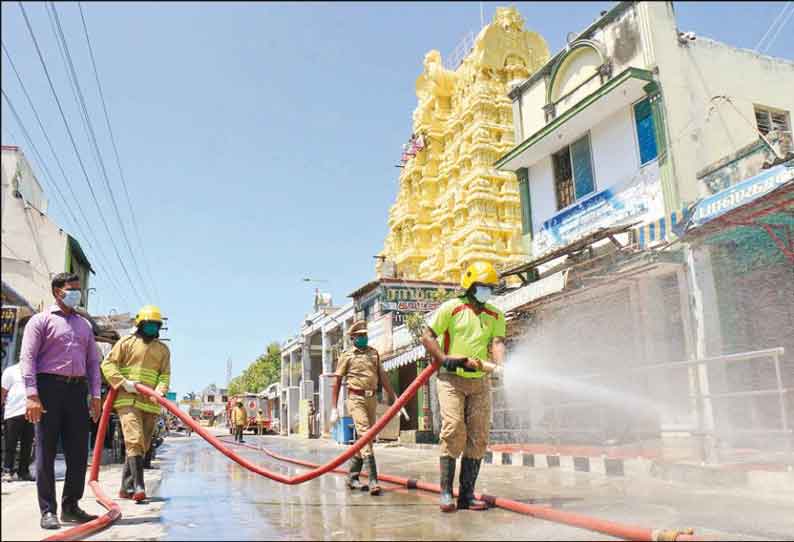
x,y
148,313
479,272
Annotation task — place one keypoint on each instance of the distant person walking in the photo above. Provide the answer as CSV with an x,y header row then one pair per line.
x,y
239,419
17,428
60,367
260,422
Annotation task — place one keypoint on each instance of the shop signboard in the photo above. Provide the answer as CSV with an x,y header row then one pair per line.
x,y
8,334
636,199
741,193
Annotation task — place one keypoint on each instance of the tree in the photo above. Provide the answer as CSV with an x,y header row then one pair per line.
x,y
262,372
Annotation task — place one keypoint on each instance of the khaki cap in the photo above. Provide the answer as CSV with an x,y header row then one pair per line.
x,y
358,328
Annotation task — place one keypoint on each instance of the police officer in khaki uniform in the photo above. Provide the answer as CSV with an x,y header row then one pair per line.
x,y
362,370
466,326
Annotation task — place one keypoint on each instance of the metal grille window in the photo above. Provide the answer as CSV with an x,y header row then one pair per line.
x,y
573,172
769,120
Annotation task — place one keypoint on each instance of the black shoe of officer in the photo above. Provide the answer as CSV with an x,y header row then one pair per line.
x,y
447,469
355,469
49,521
374,488
75,514
469,469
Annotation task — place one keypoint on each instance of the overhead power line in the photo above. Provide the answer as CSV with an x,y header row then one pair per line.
x,y
778,19
780,27
58,193
101,254
76,150
92,137
116,152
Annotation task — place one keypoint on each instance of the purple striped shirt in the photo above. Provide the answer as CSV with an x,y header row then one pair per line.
x,y
60,344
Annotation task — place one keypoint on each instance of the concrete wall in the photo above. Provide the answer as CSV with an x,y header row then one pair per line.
x,y
541,192
614,149
691,75
34,247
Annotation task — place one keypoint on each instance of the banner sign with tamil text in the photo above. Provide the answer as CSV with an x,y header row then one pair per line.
x,y
740,194
636,199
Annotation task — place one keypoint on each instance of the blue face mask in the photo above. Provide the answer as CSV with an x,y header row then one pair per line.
x,y
360,342
150,329
483,293
71,298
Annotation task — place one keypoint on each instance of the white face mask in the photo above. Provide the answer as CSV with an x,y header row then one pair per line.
x,y
71,298
483,293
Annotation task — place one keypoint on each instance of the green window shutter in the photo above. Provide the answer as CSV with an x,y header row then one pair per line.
x,y
582,167
526,203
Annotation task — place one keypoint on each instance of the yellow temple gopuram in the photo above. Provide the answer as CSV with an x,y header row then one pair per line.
x,y
453,206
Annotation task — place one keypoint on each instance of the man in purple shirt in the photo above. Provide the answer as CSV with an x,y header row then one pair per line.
x,y
60,367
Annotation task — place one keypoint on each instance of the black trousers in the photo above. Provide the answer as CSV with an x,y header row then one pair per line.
x,y
18,429
66,418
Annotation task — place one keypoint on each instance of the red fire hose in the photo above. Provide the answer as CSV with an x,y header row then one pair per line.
x,y
114,512
627,532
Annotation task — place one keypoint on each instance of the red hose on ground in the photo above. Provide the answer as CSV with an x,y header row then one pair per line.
x,y
627,532
619,530
114,512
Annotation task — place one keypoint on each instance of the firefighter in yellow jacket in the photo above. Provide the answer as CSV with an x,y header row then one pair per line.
x,y
138,358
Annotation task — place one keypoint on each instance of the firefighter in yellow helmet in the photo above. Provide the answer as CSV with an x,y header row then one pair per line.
x,y
465,326
138,358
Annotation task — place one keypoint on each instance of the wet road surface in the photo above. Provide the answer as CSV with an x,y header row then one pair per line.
x,y
208,497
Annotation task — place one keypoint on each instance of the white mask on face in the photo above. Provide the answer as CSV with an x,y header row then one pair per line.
x,y
483,293
71,298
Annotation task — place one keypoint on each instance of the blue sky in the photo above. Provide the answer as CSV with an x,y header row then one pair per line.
x,y
258,141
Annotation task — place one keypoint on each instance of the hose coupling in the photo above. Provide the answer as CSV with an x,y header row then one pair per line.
x,y
669,535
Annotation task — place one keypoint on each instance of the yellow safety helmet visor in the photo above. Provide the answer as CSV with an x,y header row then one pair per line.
x,y
148,313
480,273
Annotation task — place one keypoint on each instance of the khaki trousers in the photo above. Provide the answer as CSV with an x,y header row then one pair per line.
x,y
465,415
137,427
362,410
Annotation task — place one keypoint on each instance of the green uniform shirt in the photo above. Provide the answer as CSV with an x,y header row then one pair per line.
x,y
463,331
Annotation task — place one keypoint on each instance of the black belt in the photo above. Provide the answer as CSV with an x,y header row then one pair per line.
x,y
63,378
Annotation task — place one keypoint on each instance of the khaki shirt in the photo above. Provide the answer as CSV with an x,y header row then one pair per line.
x,y
360,368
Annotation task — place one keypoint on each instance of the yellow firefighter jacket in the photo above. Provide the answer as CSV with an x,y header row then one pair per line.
x,y
239,416
133,359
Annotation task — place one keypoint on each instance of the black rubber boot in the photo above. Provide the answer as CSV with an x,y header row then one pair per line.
x,y
374,488
469,469
136,465
126,482
447,468
355,469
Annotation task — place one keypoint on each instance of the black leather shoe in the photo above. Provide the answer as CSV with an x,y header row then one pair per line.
x,y
49,521
74,514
